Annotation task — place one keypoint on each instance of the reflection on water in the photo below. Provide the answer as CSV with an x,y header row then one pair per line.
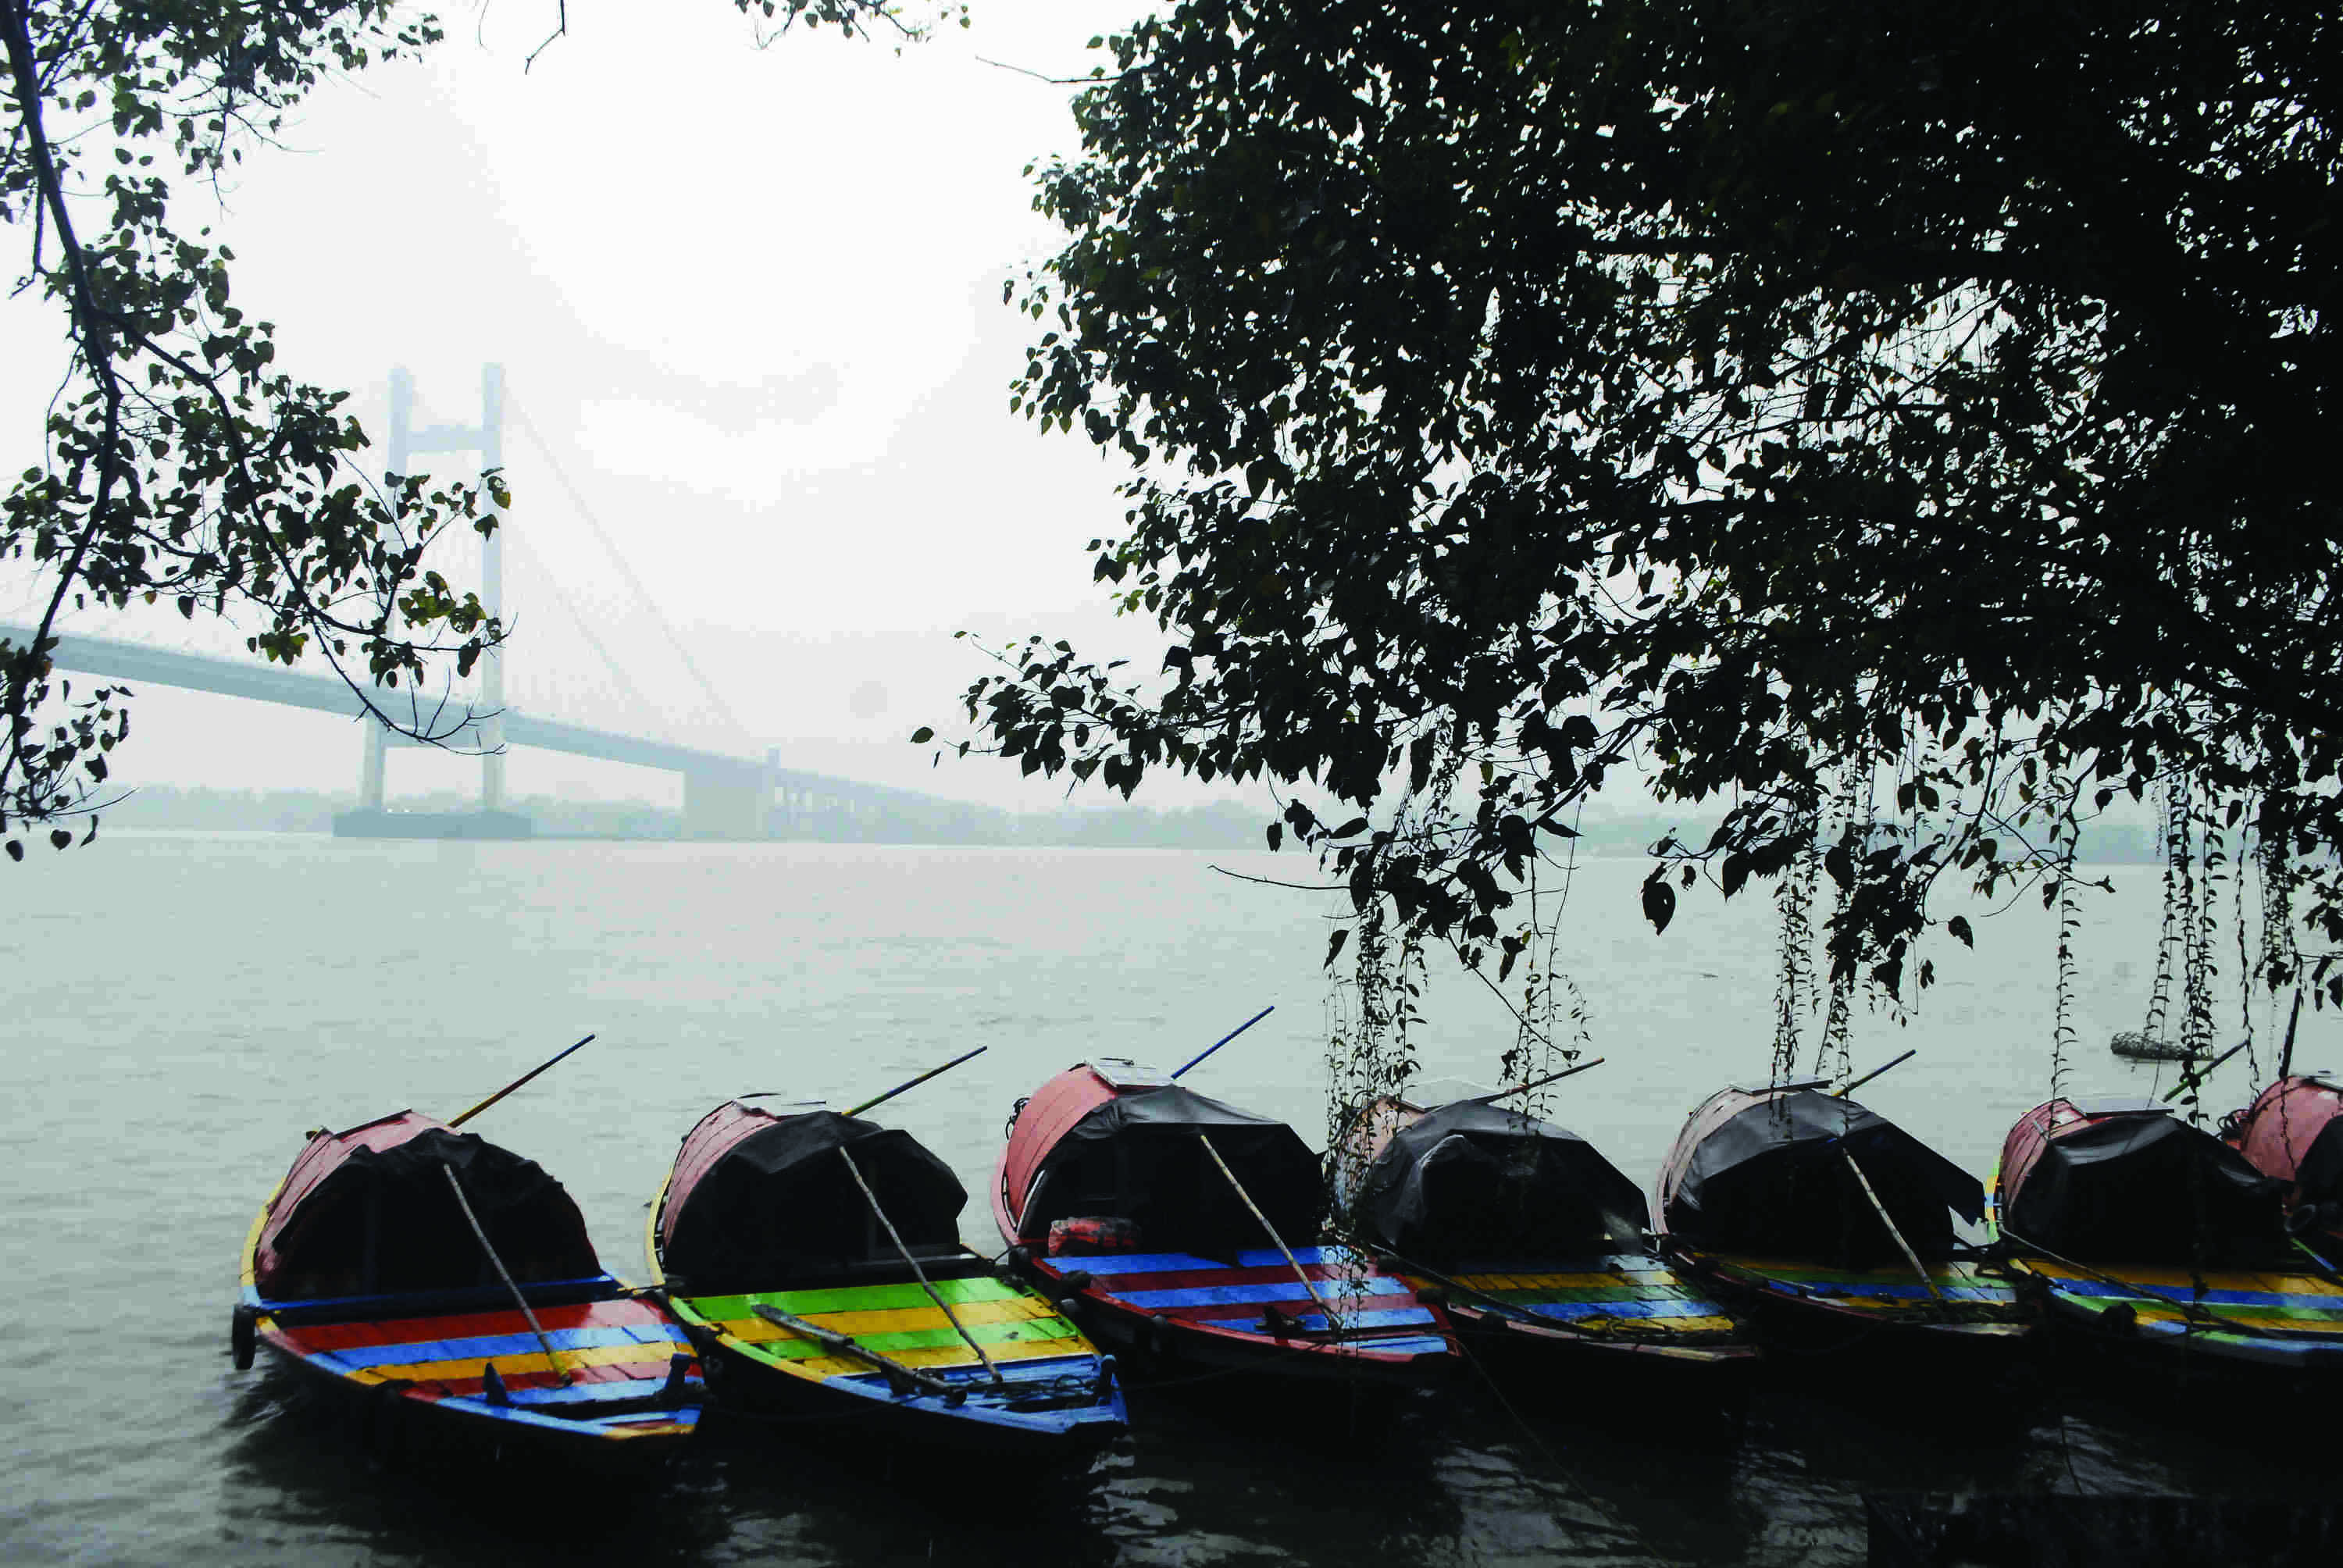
x,y
182,1008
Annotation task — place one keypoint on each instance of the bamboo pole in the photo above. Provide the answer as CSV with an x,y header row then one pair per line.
x,y
917,1272
502,1272
1540,1082
1867,1077
1910,1256
914,1083
1332,1321
516,1083
1225,1039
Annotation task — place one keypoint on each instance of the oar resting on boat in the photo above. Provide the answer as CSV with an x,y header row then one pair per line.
x,y
818,1256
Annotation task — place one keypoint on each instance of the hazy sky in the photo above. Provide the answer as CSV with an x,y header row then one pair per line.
x,y
750,300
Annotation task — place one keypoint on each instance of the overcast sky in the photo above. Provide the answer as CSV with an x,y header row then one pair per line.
x,y
750,300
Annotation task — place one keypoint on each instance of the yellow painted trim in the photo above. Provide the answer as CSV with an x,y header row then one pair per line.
x,y
651,1233
820,1369
1651,1325
535,1362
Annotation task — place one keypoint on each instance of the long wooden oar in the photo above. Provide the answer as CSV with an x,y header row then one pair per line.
x,y
1539,1082
516,1083
1910,1256
2194,1077
1867,1077
2286,1052
1332,1321
2191,1310
848,1345
1226,1038
504,1273
915,1082
913,1263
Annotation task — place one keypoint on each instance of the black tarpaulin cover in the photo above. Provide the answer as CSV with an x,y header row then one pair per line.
x,y
2147,1189
1774,1180
1139,1157
384,1220
1472,1182
780,1205
2321,1171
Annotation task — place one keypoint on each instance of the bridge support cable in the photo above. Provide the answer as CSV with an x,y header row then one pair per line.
x,y
560,476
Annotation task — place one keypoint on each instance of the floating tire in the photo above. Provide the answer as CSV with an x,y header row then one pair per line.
x,y
242,1338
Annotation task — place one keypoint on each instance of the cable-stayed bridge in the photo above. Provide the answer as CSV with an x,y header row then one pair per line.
x,y
541,690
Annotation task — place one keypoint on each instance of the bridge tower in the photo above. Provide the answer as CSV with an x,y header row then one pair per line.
x,y
492,821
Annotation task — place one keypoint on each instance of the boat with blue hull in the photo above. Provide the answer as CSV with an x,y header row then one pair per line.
x,y
816,1258
440,1281
1185,1227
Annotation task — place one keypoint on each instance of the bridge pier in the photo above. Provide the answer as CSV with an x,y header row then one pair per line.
x,y
724,805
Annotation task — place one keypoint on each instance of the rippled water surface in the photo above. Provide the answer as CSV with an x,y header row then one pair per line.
x,y
182,1008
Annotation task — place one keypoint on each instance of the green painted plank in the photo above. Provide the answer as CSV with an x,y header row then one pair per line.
x,y
861,1298
1026,1333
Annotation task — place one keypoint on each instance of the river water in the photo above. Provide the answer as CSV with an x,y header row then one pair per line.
x,y
183,1008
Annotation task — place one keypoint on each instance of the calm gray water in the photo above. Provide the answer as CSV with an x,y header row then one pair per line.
x,y
182,1008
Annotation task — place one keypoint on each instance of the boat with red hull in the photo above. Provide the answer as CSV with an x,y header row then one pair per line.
x,y
2150,1236
1830,1220
1538,1243
364,1273
1187,1228
2293,1132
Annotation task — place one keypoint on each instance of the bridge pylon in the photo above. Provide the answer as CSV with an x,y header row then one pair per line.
x,y
492,821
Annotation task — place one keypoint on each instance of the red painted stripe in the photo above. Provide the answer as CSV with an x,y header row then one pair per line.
x,y
466,1325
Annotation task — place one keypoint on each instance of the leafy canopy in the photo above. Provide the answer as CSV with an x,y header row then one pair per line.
x,y
1892,431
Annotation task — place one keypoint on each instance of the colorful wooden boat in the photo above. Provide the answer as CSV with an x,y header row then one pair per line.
x,y
2152,1234
1534,1238
1187,1228
1829,1220
364,1271
817,1258
2293,1132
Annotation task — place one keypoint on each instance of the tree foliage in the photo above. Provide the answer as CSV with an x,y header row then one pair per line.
x,y
183,466
1892,431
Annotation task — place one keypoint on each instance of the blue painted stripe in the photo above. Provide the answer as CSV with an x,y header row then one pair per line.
x,y
1395,1317
595,1393
1405,1345
1569,1311
355,1357
2210,1298
1286,1289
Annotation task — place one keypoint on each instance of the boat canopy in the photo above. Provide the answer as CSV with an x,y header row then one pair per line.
x,y
2137,1187
1768,1173
2294,1131
368,1212
1472,1182
1139,1157
776,1204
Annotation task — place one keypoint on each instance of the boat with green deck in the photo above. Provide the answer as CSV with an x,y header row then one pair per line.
x,y
816,1259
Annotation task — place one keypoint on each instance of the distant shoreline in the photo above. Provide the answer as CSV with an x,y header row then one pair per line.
x,y
1222,825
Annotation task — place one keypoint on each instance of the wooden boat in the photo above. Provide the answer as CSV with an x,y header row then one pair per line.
x,y
1829,1220
2293,1133
1535,1240
365,1271
2149,1234
1187,1228
817,1258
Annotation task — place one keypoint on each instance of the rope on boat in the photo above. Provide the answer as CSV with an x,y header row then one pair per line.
x,y
1910,1256
1332,1321
917,1273
504,1273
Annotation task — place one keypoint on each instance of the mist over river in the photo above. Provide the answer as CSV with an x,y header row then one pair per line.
x,y
182,1008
